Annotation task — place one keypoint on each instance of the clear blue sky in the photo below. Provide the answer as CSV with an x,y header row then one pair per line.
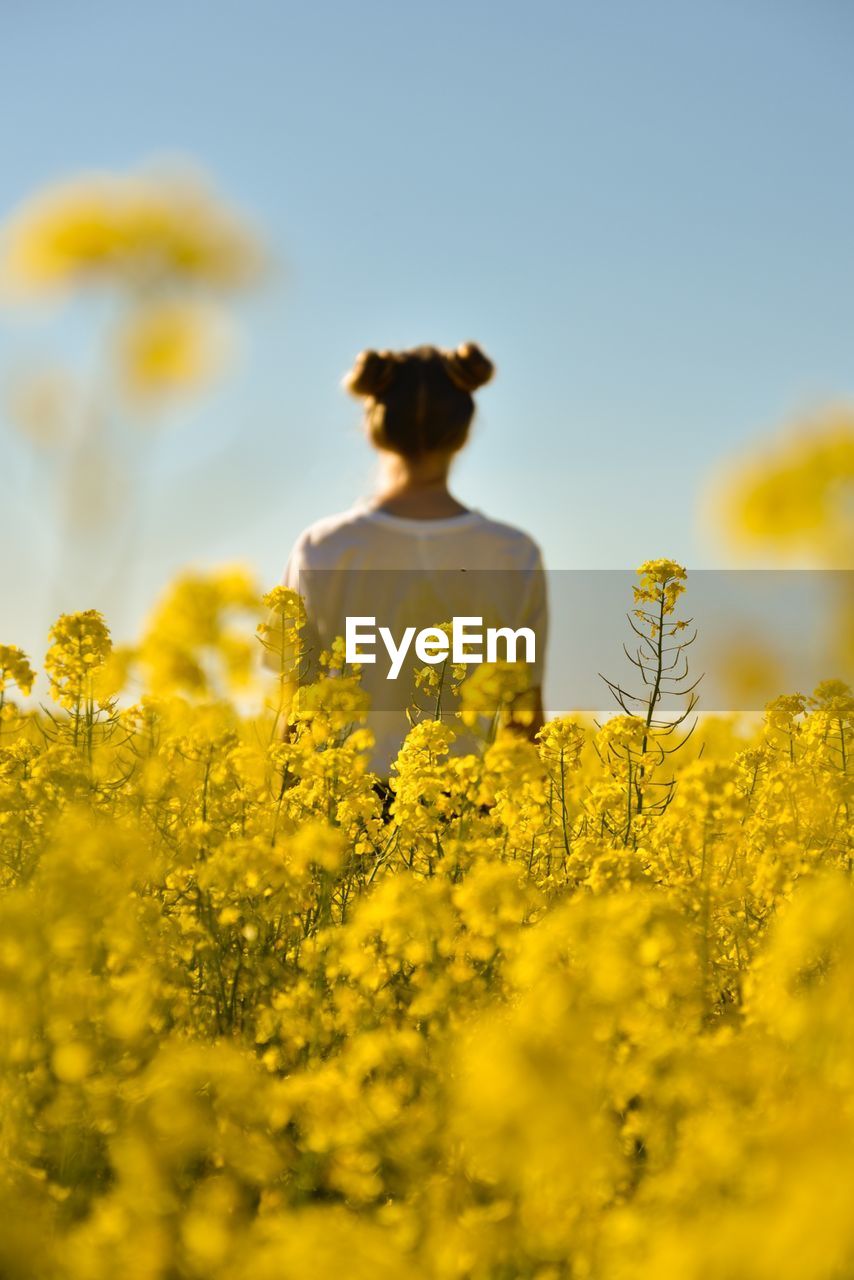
x,y
643,211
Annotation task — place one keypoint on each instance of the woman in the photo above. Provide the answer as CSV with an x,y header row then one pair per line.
x,y
414,547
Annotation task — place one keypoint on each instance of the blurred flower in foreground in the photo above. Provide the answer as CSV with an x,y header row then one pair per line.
x,y
748,667
513,1023
794,498
171,346
43,405
166,256
134,228
192,642
166,243
15,670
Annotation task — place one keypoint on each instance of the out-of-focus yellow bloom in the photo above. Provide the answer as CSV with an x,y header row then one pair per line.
x,y
192,642
137,228
44,405
491,690
171,346
794,498
257,1015
15,668
748,667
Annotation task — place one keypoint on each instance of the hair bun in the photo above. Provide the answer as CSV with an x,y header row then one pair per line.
x,y
371,373
468,367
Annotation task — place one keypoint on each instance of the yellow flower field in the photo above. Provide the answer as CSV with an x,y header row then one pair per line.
x,y
572,1008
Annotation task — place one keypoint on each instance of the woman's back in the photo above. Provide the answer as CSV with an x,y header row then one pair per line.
x,y
415,557
367,537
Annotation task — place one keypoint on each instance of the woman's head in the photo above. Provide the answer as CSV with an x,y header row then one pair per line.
x,y
419,401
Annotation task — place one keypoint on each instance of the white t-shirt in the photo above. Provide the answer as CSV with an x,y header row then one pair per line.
x,y
365,562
